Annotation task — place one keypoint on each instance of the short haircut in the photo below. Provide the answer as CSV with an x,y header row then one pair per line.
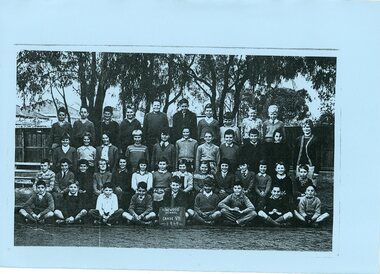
x,y
102,160
272,108
208,106
228,116
156,100
83,162
243,161
65,136
123,158
209,132
182,162
208,181
130,107
225,161
87,134
308,122
72,182
207,164
186,127
305,167
276,185
229,132
64,160
45,160
108,109
280,163
41,182
85,107
237,183
165,132
175,179
142,185
62,109
163,159
313,186
254,131
278,131
262,162
183,101
106,133
137,132
107,185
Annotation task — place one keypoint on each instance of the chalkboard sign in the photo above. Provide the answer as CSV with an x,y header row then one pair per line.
x,y
172,216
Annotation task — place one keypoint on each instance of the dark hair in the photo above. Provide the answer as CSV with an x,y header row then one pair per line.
x,y
45,160
130,107
107,185
182,162
62,109
108,109
308,122
237,183
225,161
254,131
186,127
229,132
83,162
183,101
165,132
123,158
163,159
262,162
41,182
176,179
87,134
208,181
142,184
83,107
228,116
205,163
277,131
281,163
276,185
156,100
208,106
305,167
210,132
65,136
142,161
64,160
106,133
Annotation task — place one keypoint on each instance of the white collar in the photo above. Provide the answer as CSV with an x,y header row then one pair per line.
x,y
70,194
162,171
107,145
209,120
281,176
229,145
207,194
261,174
166,143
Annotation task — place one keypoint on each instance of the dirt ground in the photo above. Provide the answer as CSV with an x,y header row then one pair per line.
x,y
194,237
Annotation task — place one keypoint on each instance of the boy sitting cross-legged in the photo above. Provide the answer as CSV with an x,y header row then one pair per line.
x,y
40,205
72,208
206,204
140,210
107,207
236,208
276,211
309,209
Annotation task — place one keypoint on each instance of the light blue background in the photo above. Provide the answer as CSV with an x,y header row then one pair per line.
x,y
349,28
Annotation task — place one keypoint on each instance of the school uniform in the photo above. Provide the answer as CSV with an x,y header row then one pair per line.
x,y
125,132
112,130
224,182
39,204
243,203
59,153
183,119
80,127
163,150
57,131
210,125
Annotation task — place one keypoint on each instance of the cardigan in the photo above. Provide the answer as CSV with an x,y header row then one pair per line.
x,y
112,128
99,179
122,179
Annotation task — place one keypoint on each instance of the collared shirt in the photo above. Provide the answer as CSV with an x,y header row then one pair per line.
x,y
40,196
261,174
65,148
207,194
165,144
87,153
209,120
63,174
107,204
281,176
224,174
71,194
229,145
105,149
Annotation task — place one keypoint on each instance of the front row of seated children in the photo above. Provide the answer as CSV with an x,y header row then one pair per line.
x,y
235,209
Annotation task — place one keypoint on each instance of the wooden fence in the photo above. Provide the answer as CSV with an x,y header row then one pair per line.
x,y
31,144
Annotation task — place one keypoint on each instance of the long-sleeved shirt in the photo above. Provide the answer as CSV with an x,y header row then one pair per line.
x,y
206,203
106,204
79,129
87,153
161,179
280,204
122,179
154,124
224,182
125,132
186,180
99,180
263,183
48,177
247,124
186,149
135,153
72,204
138,177
57,130
141,206
59,154
247,180
111,155
204,126
62,181
198,181
112,128
230,152
233,200
184,119
309,207
167,152
237,138
252,154
39,204
207,152
269,127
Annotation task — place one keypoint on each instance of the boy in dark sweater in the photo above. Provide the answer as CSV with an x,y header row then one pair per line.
x,y
164,149
161,182
82,126
253,151
276,210
247,179
109,126
282,180
301,183
65,151
72,209
140,210
263,183
59,128
206,205
121,183
39,206
224,179
84,180
229,150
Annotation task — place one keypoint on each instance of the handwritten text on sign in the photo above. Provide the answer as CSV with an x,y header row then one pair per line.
x,y
172,216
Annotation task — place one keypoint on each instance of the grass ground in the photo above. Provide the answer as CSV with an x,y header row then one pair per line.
x,y
194,237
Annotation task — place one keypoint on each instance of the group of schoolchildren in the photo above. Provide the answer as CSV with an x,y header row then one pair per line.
x,y
219,175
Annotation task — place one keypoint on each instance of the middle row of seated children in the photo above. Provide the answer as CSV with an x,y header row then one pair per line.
x,y
256,186
185,149
236,208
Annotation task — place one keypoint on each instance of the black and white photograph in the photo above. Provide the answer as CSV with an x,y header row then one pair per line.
x,y
214,136
189,151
